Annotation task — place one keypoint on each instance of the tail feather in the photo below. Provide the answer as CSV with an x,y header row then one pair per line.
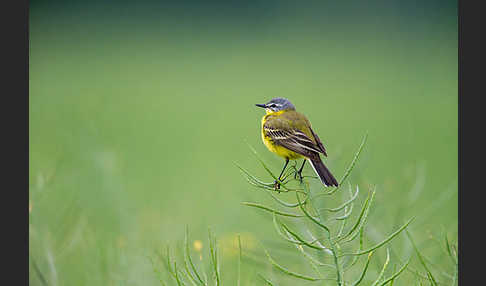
x,y
324,174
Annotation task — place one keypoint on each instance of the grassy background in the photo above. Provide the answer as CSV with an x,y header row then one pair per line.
x,y
138,113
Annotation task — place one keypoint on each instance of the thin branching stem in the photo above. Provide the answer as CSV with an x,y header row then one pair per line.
x,y
422,261
270,209
389,238
363,273
395,275
189,259
334,230
382,272
350,201
351,166
289,272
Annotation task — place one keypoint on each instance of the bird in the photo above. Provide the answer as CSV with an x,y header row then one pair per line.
x,y
289,134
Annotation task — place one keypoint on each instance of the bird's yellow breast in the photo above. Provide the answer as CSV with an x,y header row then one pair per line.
x,y
277,149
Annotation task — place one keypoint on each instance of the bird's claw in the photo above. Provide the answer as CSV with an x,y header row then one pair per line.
x,y
276,186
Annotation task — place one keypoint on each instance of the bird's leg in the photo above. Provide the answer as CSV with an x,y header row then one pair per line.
x,y
288,173
277,182
299,173
285,166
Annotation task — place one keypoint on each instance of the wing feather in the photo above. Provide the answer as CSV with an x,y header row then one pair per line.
x,y
318,141
294,140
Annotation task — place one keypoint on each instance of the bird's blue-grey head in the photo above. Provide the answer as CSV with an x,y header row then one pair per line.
x,y
277,104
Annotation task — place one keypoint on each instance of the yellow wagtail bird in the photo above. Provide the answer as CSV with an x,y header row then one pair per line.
x,y
288,134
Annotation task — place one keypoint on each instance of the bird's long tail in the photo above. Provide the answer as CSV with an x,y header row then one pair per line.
x,y
324,174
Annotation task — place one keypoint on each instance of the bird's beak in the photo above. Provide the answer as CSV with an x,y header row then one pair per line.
x,y
261,105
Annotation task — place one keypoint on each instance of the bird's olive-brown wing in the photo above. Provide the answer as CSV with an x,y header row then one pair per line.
x,y
318,141
282,133
300,120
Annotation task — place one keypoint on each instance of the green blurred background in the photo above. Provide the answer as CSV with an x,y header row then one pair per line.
x,y
138,112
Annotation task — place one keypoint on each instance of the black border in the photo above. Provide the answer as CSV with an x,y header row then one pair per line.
x,y
14,20
471,145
